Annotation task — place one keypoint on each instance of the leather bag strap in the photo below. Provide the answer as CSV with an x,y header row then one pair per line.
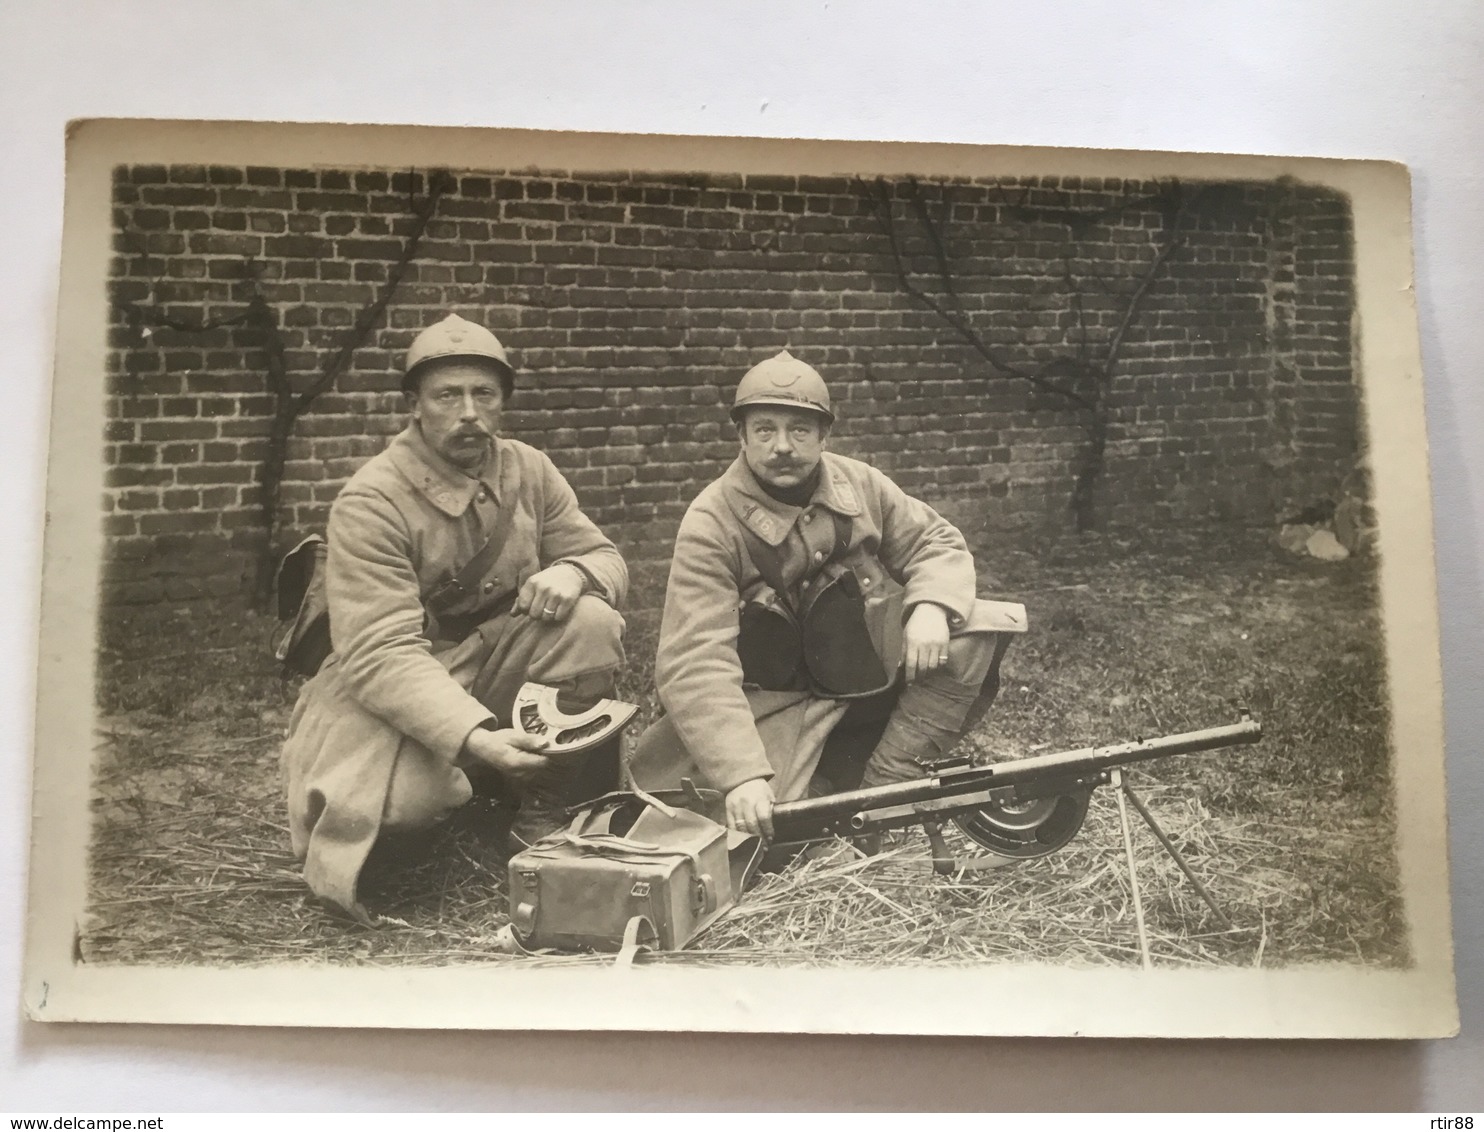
x,y
466,579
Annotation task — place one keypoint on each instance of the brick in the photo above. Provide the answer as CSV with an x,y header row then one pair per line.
x,y
133,591
179,195
215,474
120,526
369,249
218,498
138,500
181,499
150,219
207,243
181,522
175,454
127,475
329,202
296,246
177,430
536,211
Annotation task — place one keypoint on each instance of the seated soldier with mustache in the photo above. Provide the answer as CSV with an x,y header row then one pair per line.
x,y
459,567
820,625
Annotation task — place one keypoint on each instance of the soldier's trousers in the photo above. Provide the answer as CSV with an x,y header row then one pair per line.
x,y
803,733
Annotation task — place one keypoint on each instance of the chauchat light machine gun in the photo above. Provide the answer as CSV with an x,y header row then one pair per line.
x,y
1017,809
635,870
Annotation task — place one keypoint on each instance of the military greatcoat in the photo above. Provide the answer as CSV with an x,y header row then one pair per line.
x,y
734,734
400,693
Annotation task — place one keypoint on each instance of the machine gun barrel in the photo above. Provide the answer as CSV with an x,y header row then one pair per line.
x,y
811,818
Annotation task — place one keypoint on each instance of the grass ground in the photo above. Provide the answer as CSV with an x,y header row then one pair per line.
x,y
190,860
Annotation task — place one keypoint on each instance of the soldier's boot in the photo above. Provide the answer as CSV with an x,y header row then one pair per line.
x,y
544,802
568,781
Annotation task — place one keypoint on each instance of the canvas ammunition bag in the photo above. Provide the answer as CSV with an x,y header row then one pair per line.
x,y
453,609
630,872
304,607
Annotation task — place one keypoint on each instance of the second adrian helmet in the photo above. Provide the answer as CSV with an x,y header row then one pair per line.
x,y
786,381
456,337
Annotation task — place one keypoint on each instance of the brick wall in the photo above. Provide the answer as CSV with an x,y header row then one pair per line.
x,y
633,303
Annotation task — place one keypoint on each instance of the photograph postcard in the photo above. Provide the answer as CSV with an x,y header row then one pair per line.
x,y
517,580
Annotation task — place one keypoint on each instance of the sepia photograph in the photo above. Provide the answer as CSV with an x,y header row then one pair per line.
x,y
767,585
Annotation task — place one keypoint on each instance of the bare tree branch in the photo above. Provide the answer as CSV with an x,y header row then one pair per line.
x,y
955,317
1084,345
370,315
935,238
1175,239
265,322
143,316
139,314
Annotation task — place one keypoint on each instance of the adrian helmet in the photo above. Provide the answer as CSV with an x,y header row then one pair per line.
x,y
786,381
456,337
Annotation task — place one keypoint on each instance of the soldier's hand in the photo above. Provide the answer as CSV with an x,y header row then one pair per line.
x,y
513,753
925,640
551,594
750,808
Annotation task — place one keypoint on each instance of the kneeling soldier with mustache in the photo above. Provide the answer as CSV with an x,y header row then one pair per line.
x,y
459,567
820,625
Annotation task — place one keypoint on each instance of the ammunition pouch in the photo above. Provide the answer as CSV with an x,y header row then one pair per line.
x,y
304,604
630,871
845,642
852,631
769,643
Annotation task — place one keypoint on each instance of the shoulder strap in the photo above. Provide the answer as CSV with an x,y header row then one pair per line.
x,y
766,559
467,578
